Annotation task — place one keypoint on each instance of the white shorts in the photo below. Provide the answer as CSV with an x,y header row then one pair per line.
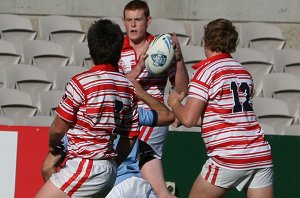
x,y
240,179
86,178
155,137
132,187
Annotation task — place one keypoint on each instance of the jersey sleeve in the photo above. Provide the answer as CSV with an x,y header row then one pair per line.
x,y
72,99
147,117
200,85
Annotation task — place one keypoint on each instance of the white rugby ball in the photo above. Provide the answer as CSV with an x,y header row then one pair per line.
x,y
160,54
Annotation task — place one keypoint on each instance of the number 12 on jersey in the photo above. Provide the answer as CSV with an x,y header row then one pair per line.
x,y
244,89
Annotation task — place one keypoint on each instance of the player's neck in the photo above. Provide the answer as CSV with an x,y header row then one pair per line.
x,y
212,53
138,46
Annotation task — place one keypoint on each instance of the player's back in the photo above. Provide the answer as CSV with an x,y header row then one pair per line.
x,y
104,102
230,127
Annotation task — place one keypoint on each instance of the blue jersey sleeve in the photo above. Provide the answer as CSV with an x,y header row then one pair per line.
x,y
64,143
147,117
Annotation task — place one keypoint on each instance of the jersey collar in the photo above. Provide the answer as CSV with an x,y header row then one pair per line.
x,y
210,59
126,43
103,67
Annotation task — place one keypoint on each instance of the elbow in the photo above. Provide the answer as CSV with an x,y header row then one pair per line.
x,y
189,123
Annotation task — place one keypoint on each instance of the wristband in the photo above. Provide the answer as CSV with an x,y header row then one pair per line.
x,y
58,150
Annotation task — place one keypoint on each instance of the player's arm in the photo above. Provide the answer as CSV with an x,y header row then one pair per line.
x,y
189,114
181,75
57,131
50,165
56,147
140,66
164,115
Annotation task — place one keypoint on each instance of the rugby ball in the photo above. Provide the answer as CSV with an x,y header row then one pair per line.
x,y
160,54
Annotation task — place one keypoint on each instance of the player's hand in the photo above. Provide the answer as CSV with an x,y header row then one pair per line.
x,y
176,123
176,47
175,97
143,57
50,165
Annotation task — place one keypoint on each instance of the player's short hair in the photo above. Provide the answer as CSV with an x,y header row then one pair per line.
x,y
137,5
105,41
220,36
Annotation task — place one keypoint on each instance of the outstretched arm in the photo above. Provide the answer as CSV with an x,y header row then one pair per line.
x,y
189,114
165,116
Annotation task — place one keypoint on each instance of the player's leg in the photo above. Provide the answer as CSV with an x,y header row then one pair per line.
x,y
265,192
203,189
50,190
150,158
152,171
261,184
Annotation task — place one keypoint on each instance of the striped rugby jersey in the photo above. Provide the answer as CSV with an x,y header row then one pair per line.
x,y
230,130
98,102
153,84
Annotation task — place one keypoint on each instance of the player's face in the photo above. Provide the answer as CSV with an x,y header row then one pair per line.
x,y
136,25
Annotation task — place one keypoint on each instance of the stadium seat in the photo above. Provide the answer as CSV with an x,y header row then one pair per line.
x,y
48,101
283,86
261,36
27,78
286,60
256,63
268,129
293,130
64,30
164,25
273,112
6,121
8,53
46,55
16,105
192,55
64,74
39,121
16,29
198,32
2,76
82,55
185,129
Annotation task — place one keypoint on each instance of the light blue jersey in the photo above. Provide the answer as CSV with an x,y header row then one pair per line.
x,y
130,167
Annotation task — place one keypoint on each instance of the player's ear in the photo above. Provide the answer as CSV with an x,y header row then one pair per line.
x,y
149,20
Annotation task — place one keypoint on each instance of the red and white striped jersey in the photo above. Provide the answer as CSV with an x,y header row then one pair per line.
x,y
230,130
153,84
98,102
